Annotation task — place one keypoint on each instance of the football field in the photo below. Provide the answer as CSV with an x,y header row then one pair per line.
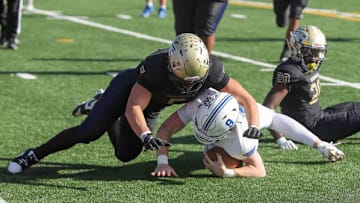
x,y
69,49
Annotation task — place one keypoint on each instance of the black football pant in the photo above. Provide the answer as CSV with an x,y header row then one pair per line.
x,y
285,9
10,18
106,116
338,122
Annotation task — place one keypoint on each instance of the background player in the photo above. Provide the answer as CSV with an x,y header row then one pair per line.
x,y
296,88
288,13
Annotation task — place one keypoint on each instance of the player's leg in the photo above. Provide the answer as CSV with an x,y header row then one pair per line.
x,y
296,8
280,8
13,22
207,18
284,124
184,13
126,143
149,8
339,121
103,115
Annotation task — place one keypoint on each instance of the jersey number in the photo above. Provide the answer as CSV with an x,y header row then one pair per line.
x,y
315,88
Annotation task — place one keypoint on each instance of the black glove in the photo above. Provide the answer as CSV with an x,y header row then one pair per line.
x,y
253,132
153,143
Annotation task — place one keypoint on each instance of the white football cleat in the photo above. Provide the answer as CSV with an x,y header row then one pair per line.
x,y
330,151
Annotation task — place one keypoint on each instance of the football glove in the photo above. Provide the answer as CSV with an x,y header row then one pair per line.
x,y
252,132
286,144
153,143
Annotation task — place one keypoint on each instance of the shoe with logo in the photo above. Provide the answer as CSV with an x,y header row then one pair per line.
x,y
22,162
147,11
85,107
330,151
162,13
11,44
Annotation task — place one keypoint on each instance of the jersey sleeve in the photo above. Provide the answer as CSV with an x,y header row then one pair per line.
x,y
151,69
218,78
183,113
285,75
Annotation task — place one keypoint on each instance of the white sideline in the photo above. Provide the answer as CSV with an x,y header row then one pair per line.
x,y
57,15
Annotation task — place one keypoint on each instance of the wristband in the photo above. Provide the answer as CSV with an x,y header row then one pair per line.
x,y
229,173
162,159
144,134
281,140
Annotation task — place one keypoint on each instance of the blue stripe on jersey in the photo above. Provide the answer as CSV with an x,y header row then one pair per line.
x,y
251,152
215,112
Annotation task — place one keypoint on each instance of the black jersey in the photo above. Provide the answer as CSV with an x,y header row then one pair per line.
x,y
154,76
301,103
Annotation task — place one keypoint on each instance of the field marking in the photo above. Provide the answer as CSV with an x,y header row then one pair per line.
x,y
2,200
312,11
161,40
26,76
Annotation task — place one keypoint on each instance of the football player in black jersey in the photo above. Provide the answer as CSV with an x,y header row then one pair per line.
x,y
296,88
129,107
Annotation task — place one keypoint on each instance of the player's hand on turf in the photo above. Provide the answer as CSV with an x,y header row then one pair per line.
x,y
152,143
286,144
163,170
252,132
216,167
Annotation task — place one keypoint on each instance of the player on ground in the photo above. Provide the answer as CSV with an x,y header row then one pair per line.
x,y
219,121
296,88
129,107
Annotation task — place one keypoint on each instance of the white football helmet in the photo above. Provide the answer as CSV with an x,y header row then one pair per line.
x,y
308,46
215,117
188,62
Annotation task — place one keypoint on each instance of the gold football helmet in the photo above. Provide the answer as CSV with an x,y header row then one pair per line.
x,y
308,46
188,62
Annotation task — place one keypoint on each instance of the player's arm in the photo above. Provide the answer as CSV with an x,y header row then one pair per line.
x,y
138,100
272,100
275,96
254,167
169,127
245,99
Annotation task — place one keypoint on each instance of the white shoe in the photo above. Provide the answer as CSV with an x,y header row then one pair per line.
x,y
330,151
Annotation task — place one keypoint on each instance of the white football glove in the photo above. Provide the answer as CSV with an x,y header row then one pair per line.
x,y
286,144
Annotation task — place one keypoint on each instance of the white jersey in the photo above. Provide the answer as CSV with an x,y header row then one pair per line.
x,y
235,144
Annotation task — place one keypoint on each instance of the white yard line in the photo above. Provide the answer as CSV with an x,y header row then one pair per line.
x,y
161,40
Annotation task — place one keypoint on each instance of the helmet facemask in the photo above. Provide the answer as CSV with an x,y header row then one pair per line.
x,y
308,46
188,62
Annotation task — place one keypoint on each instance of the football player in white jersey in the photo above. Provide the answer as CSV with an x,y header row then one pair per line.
x,y
218,120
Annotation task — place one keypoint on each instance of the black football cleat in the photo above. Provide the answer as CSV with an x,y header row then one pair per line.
x,y
85,107
22,162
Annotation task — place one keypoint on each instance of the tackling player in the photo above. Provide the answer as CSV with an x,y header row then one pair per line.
x,y
129,107
218,120
296,88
